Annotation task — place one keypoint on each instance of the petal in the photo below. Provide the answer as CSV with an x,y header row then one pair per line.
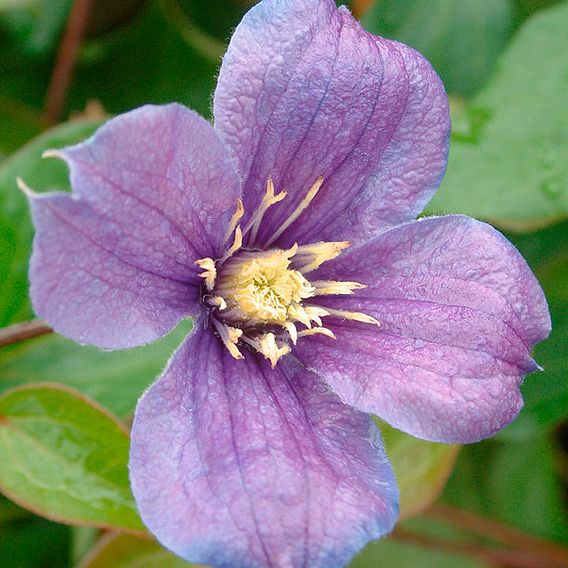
x,y
305,92
162,171
235,464
90,285
459,309
113,263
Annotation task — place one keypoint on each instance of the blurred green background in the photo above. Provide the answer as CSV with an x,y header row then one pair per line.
x,y
505,66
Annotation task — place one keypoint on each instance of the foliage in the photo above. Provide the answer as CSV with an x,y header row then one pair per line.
x,y
64,456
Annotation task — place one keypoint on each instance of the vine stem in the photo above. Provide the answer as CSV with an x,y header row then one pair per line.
x,y
501,557
555,554
66,59
22,331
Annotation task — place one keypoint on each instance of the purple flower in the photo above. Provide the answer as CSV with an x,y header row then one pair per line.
x,y
287,231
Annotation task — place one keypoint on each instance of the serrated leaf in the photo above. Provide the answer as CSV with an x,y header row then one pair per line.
x,y
15,225
115,379
461,38
421,469
125,551
65,458
509,153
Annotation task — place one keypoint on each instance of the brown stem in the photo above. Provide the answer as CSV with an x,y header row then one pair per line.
x,y
66,58
23,331
471,522
359,7
494,556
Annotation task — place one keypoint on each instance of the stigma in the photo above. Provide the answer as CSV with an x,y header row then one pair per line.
x,y
265,299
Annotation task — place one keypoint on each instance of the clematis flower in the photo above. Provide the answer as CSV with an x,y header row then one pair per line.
x,y
286,230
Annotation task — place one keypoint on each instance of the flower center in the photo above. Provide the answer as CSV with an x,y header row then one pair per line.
x,y
258,298
261,288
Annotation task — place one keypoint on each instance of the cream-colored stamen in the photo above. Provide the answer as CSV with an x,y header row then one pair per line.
x,y
268,200
237,244
237,215
217,302
210,271
267,346
355,316
317,331
292,331
303,205
310,257
229,336
335,288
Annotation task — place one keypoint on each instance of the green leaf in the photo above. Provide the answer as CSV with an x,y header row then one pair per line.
x,y
36,25
421,469
158,65
509,153
125,551
218,20
19,125
65,458
115,379
546,394
15,225
33,543
513,482
392,553
461,38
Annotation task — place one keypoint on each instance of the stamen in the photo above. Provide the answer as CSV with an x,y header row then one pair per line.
x,y
304,204
210,274
292,331
239,212
266,345
316,331
315,313
217,302
268,200
335,288
355,316
310,257
229,336
237,244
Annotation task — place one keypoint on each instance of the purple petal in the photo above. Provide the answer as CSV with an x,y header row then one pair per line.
x,y
304,92
113,263
235,464
459,309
